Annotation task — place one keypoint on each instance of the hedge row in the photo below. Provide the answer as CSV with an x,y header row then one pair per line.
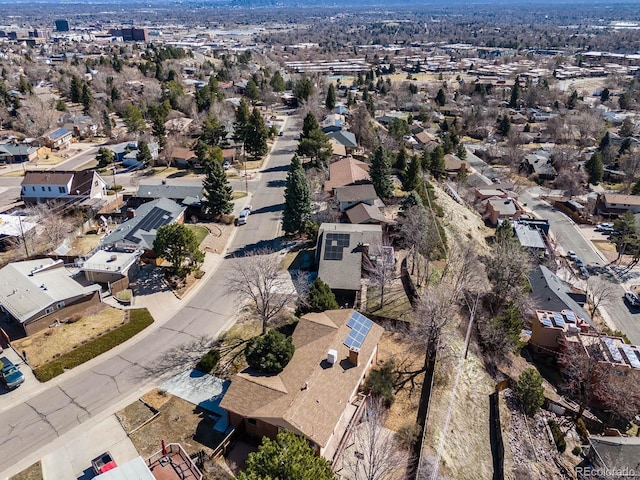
x,y
139,319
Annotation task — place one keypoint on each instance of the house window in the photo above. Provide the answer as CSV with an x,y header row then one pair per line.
x,y
252,421
49,188
60,305
61,189
33,188
43,189
48,310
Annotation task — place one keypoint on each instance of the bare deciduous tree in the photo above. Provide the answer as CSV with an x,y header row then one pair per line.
x,y
599,293
374,454
258,280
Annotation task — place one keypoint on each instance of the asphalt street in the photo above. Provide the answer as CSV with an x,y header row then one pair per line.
x,y
29,427
569,236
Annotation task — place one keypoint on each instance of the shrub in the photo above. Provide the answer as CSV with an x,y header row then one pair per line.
x,y
379,383
408,433
577,451
269,353
209,361
582,430
139,319
198,274
558,437
529,390
319,298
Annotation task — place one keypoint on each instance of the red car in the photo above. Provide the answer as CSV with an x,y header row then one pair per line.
x,y
103,463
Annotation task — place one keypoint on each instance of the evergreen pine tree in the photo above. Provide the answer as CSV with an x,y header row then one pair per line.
x,y
411,200
411,176
330,102
277,82
437,165
144,154
257,135
319,298
309,124
636,188
441,98
159,131
401,159
241,125
515,94
594,168
425,160
217,190
76,90
380,172
297,199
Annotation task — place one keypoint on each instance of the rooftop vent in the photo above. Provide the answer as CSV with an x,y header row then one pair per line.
x,y
332,356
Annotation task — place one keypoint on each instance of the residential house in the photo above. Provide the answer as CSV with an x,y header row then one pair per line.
x,y
85,187
351,195
183,194
498,209
453,166
332,123
178,125
17,153
530,238
346,139
36,293
363,213
337,149
182,157
548,330
617,204
540,165
340,251
126,152
347,171
611,457
57,139
550,292
13,227
423,140
82,126
316,395
140,230
486,193
110,266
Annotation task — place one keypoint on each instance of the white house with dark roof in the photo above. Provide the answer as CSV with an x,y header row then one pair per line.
x,y
36,293
43,186
352,195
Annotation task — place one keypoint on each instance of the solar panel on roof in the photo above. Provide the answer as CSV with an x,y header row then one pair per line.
x,y
546,322
631,355
613,350
570,316
334,244
558,320
360,326
156,218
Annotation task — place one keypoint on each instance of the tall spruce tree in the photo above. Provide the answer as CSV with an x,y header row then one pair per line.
x,y
437,164
330,101
318,299
411,175
309,124
218,193
257,135
144,153
594,168
515,94
297,199
380,172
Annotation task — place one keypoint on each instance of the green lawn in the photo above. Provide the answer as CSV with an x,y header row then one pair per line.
x,y
200,232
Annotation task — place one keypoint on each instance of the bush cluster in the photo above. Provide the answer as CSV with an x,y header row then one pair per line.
x,y
379,383
209,361
558,437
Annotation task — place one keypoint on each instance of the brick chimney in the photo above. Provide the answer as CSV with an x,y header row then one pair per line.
x,y
353,355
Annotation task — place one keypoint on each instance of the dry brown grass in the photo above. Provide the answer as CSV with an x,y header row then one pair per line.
x,y
134,415
467,449
34,472
83,244
179,422
156,398
48,344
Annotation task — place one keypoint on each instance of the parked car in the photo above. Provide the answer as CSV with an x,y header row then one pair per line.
x,y
244,214
631,298
11,375
226,164
103,463
572,255
579,263
604,228
584,273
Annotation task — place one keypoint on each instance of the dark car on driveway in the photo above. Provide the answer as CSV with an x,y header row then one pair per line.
x,y
10,374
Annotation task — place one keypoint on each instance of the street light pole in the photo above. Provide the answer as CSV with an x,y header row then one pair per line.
x,y
244,159
113,173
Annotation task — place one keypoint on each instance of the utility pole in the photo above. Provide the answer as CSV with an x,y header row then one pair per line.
x,y
24,240
244,159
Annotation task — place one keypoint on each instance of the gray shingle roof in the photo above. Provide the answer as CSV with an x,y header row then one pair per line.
x,y
142,228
